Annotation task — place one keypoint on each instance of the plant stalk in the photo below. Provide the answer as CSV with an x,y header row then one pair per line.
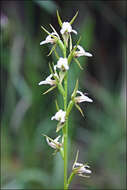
x,y
65,136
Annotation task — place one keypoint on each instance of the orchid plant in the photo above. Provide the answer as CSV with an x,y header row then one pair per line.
x,y
58,78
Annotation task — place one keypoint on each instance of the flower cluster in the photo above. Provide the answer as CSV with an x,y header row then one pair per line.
x,y
58,79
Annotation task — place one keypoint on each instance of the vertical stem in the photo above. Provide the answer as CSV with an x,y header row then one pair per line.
x,y
65,130
65,136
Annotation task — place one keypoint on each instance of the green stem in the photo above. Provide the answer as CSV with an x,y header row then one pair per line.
x,y
69,180
65,131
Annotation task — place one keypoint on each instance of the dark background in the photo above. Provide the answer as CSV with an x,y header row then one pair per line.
x,y
27,161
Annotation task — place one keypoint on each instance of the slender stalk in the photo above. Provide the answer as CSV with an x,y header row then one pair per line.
x,y
65,130
65,135
69,180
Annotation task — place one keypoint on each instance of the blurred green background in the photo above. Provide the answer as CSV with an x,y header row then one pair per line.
x,y
26,159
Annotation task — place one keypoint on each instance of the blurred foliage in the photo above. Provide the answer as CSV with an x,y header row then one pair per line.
x,y
27,161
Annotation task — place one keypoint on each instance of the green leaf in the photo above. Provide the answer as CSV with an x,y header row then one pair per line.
x,y
78,63
78,107
61,89
49,90
59,19
73,19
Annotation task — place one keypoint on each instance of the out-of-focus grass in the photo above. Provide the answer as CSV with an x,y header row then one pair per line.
x,y
27,161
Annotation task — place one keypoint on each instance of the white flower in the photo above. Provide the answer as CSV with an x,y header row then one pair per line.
x,y
67,28
81,169
82,98
62,64
50,39
59,116
54,143
81,52
48,80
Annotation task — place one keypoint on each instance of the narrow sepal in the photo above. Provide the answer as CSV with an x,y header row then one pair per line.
x,y
49,90
73,19
59,19
72,51
78,63
53,29
78,107
52,49
76,158
45,30
77,43
48,32
50,68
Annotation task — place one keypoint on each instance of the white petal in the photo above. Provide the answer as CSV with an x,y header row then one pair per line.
x,y
80,92
43,42
53,117
74,31
87,99
78,164
42,82
56,139
88,54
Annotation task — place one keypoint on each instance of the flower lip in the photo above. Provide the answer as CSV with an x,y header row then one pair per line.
x,y
67,28
48,80
82,52
82,98
59,116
